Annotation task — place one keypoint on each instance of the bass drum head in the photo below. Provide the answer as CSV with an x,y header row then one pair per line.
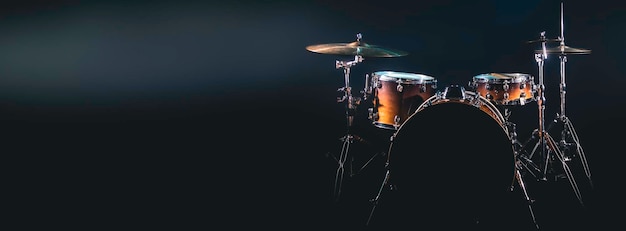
x,y
451,165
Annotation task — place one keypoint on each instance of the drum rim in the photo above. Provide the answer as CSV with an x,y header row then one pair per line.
x,y
382,75
513,77
467,101
464,101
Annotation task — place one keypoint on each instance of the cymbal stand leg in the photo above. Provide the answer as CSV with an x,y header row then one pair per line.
x,y
570,132
377,198
551,149
369,161
553,146
341,164
530,201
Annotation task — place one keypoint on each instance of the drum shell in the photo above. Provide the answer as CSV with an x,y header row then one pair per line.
x,y
509,89
452,159
395,99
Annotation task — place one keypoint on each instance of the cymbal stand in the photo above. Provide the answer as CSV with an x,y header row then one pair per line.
x,y
568,131
540,59
548,147
348,138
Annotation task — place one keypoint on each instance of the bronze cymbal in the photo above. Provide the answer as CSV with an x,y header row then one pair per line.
x,y
563,49
544,40
355,48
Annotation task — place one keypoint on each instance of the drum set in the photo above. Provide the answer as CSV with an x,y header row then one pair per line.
x,y
425,121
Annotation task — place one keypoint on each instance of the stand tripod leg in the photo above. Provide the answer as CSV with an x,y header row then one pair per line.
x,y
518,147
369,161
529,166
568,172
569,131
377,198
346,162
551,148
341,162
529,201
541,142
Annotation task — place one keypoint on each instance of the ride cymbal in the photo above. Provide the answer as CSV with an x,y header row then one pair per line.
x,y
563,49
355,48
544,40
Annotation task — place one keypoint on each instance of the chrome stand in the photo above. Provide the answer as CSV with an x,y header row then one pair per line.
x,y
349,138
569,137
548,148
529,201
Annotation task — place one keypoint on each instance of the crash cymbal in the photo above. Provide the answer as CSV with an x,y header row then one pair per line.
x,y
563,49
544,40
355,48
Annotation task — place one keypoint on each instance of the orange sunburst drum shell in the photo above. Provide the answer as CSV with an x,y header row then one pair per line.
x,y
397,95
505,88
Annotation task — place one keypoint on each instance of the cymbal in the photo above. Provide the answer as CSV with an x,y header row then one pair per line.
x,y
355,48
544,40
563,49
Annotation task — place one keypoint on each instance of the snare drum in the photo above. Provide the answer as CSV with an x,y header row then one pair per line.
x,y
505,88
397,95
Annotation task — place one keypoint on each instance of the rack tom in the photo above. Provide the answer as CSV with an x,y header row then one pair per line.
x,y
397,95
505,88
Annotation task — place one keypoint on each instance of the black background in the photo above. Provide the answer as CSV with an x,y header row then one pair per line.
x,y
186,114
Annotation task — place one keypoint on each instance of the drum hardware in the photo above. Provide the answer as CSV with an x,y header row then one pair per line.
x,y
349,138
367,90
543,137
549,150
529,201
359,50
569,137
525,163
512,129
376,199
455,92
521,162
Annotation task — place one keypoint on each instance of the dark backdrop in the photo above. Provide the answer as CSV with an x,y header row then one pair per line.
x,y
189,113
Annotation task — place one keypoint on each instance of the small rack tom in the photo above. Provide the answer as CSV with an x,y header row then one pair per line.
x,y
505,88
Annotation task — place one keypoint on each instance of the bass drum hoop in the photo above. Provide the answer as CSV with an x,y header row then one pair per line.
x,y
470,98
418,171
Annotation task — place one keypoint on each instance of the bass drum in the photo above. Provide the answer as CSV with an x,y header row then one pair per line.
x,y
451,165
